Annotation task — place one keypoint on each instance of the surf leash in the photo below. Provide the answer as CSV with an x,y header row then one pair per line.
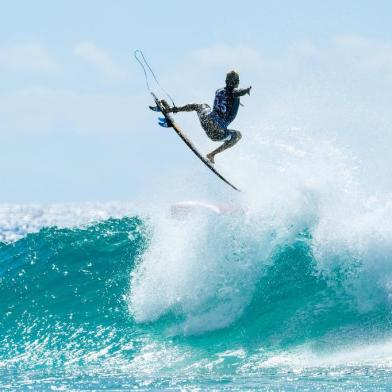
x,y
139,56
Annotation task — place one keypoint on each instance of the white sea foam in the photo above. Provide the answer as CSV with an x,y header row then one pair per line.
x,y
204,269
304,357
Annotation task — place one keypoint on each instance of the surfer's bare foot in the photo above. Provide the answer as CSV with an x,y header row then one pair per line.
x,y
165,105
210,157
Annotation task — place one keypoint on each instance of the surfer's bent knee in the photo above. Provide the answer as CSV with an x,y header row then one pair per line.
x,y
236,136
202,109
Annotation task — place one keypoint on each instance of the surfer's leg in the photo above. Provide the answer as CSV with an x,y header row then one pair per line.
x,y
233,138
191,107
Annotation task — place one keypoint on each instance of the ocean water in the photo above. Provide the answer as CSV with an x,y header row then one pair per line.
x,y
286,286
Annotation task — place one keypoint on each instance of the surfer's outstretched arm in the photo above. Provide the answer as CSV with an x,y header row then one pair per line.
x,y
239,92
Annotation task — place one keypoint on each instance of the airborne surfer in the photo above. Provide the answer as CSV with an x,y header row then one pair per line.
x,y
215,121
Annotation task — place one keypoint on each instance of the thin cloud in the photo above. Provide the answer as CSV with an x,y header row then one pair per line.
x,y
367,53
354,42
28,57
42,109
90,53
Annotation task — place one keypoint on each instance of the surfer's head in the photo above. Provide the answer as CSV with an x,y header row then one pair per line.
x,y
232,79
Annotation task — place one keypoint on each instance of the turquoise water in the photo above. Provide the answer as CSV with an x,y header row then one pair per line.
x,y
237,301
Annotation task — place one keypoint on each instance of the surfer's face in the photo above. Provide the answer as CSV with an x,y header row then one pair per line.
x,y
234,83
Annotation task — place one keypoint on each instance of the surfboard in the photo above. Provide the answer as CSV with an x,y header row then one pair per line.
x,y
172,124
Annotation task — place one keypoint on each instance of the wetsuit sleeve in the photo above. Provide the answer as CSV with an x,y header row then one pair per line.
x,y
239,92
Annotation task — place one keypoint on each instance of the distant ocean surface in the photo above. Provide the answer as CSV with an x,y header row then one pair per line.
x,y
109,296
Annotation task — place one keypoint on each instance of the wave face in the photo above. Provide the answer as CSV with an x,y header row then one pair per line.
x,y
62,295
229,301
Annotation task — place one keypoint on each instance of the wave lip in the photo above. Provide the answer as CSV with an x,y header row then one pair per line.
x,y
17,220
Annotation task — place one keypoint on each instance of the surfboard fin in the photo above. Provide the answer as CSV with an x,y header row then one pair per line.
x,y
155,108
162,121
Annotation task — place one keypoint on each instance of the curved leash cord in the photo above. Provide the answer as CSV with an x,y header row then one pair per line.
x,y
144,69
143,60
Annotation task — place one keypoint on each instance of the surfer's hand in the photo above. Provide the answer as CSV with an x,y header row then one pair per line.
x,y
248,90
174,109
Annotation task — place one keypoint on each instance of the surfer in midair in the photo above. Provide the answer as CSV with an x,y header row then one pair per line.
x,y
216,120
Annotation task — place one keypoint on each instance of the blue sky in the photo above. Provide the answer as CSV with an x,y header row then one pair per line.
x,y
74,124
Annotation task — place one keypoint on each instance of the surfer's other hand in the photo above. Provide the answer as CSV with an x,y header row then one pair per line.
x,y
248,90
